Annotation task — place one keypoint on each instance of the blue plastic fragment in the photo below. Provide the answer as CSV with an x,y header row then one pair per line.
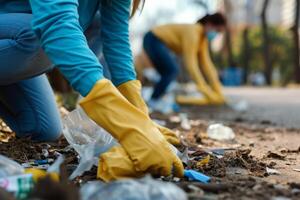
x,y
196,176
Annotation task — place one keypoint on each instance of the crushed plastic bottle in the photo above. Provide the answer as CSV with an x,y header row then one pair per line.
x,y
132,189
87,138
15,179
220,132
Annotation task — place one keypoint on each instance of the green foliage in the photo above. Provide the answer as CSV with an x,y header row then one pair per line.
x,y
281,51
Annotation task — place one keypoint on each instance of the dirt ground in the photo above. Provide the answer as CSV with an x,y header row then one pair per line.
x,y
242,173
238,168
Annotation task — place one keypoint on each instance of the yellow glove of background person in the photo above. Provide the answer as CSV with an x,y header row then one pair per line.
x,y
142,141
131,90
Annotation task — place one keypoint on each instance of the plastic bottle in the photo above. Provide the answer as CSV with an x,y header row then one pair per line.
x,y
15,179
132,189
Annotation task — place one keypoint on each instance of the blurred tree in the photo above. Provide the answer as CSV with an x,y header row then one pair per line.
x,y
228,42
281,47
249,7
266,44
295,30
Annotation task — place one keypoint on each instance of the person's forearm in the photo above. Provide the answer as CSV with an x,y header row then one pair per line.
x,y
116,46
209,70
57,25
196,75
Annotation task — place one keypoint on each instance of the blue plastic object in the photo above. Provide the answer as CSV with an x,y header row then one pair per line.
x,y
232,76
196,176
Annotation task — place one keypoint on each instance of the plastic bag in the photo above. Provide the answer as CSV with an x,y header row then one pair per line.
x,y
87,138
132,189
9,167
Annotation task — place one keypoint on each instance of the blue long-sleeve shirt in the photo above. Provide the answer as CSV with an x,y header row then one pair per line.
x,y
60,25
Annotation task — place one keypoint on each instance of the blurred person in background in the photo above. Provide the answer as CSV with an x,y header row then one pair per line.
x,y
33,31
191,42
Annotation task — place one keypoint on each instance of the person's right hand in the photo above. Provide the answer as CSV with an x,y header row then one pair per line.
x,y
147,148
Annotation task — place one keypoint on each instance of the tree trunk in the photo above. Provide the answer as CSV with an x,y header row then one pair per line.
x,y
228,41
246,53
266,43
295,30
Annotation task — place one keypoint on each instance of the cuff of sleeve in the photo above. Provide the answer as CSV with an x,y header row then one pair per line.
x,y
86,83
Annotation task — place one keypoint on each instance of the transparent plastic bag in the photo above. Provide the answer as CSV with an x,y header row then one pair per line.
x,y
9,167
132,189
87,138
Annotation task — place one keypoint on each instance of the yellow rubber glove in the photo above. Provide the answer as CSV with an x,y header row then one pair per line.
x,y
38,174
181,99
116,164
142,141
131,90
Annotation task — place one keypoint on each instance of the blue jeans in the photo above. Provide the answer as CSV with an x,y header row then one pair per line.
x,y
27,102
164,62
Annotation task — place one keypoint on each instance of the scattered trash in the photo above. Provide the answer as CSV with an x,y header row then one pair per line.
x,y
20,185
9,167
272,171
238,105
160,122
184,156
175,119
45,153
204,161
132,189
192,175
220,132
185,124
297,170
219,151
15,179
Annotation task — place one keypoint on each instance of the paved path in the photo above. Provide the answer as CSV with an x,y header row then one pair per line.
x,y
278,106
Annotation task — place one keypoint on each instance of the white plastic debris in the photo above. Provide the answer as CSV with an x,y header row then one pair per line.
x,y
160,122
9,167
238,105
185,123
220,132
131,189
272,171
297,169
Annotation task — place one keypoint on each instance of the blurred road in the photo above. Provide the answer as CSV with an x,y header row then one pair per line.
x,y
276,106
